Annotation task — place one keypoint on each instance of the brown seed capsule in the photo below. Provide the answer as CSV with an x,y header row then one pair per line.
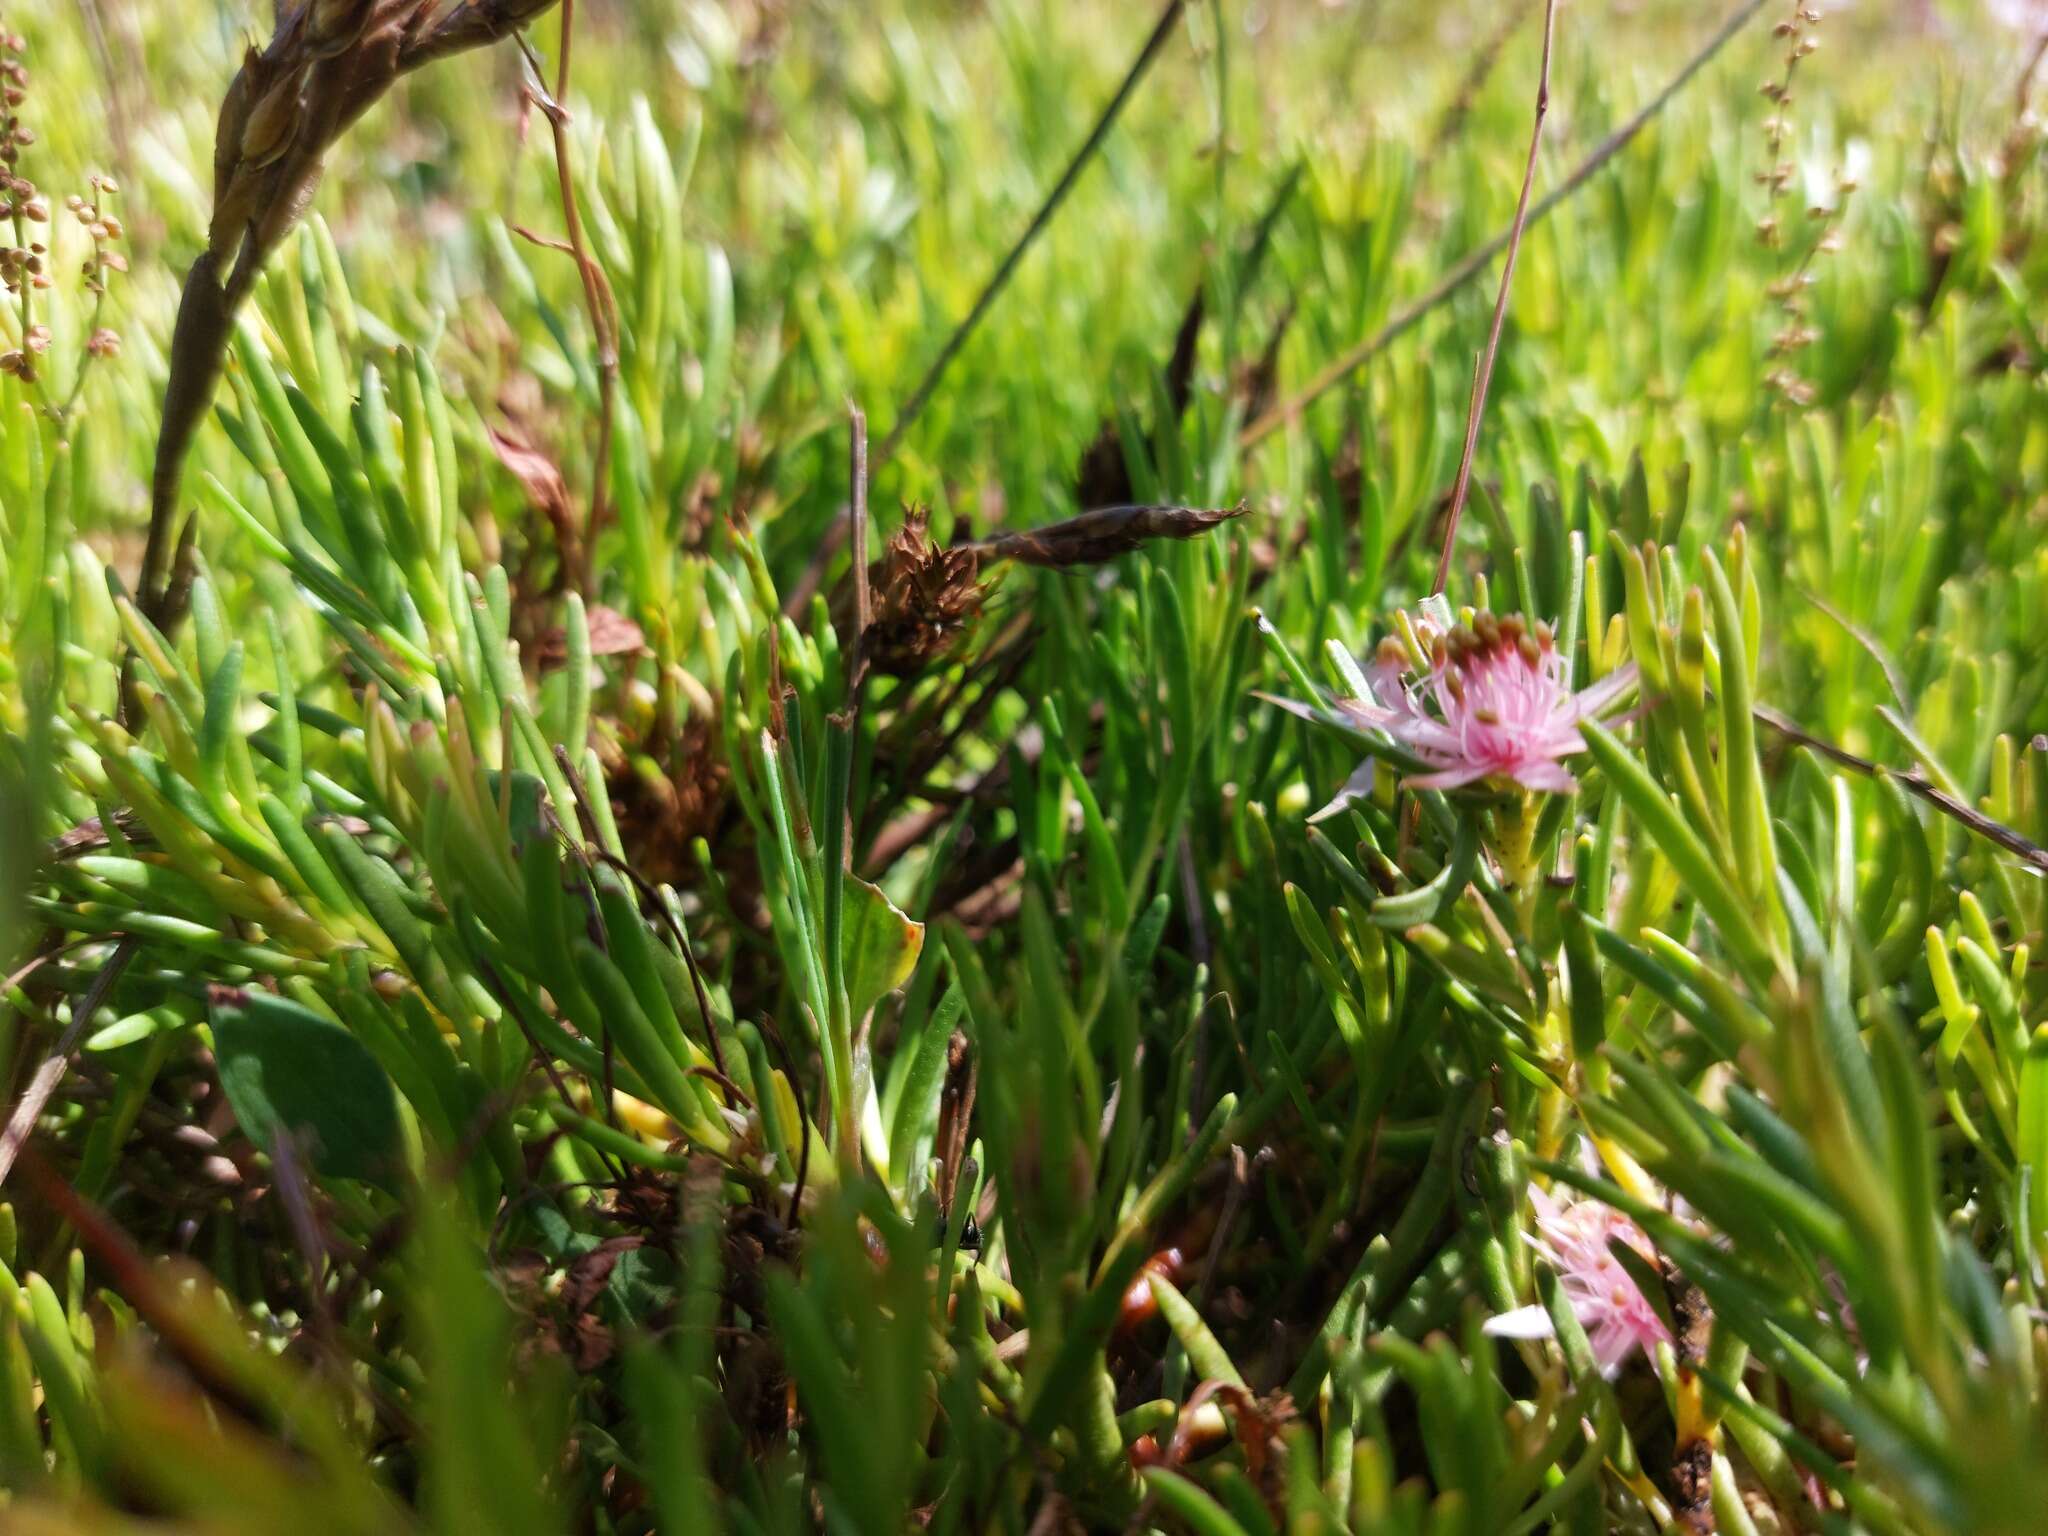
x,y
268,132
1140,1305
335,24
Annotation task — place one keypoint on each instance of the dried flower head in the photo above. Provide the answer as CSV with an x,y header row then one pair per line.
x,y
925,597
1492,699
1577,1241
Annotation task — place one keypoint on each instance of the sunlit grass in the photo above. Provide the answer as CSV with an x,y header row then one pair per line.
x,y
518,1017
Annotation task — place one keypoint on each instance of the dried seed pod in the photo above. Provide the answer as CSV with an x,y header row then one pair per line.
x,y
272,124
925,598
1101,535
234,116
334,25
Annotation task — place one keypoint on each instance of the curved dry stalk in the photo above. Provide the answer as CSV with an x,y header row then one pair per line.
x,y
328,62
598,299
1474,262
1484,376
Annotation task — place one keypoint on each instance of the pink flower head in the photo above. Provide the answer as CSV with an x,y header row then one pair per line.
x,y
1494,702
1574,1239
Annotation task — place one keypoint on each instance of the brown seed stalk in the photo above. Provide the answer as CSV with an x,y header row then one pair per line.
x,y
1484,374
326,64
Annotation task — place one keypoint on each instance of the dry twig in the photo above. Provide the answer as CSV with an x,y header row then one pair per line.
x,y
598,299
1484,374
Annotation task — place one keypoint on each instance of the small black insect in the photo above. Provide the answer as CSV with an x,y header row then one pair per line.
x,y
970,1233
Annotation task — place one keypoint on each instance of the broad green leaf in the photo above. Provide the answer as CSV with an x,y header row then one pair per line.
x,y
287,1071
879,946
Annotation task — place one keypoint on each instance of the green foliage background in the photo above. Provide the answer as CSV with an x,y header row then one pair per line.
x,y
469,974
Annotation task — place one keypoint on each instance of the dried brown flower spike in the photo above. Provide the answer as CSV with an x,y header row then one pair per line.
x,y
328,62
924,598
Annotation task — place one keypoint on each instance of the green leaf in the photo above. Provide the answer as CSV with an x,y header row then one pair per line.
x,y
1189,1504
879,946
287,1071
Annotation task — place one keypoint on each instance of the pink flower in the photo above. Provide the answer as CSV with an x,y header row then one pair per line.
x,y
1574,1239
2030,16
1495,702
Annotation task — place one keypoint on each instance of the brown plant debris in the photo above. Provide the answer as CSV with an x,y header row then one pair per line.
x,y
542,481
662,812
611,634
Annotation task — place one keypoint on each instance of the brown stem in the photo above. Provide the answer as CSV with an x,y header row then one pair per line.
x,y
1500,308
256,203
1913,782
597,297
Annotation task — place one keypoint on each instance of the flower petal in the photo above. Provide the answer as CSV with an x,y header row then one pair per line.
x,y
1595,699
1453,777
1357,787
1521,1323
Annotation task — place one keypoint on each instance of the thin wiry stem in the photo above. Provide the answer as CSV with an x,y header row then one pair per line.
x,y
992,290
1484,377
906,418
597,294
51,1072
1471,265
1914,782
